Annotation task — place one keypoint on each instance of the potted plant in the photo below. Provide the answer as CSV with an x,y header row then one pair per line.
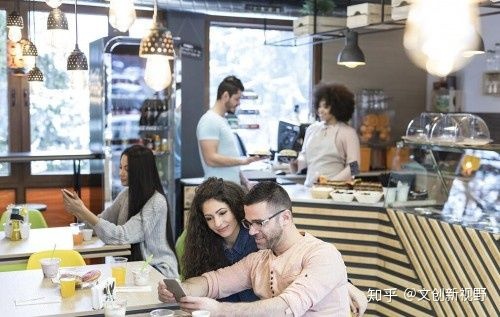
x,y
320,12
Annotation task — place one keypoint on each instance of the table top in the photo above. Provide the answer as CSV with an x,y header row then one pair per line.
x,y
45,238
30,284
16,157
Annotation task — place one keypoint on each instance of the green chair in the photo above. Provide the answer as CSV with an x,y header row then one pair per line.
x,y
68,258
179,250
36,219
12,267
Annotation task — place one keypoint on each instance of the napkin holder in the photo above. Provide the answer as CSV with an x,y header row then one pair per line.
x,y
15,229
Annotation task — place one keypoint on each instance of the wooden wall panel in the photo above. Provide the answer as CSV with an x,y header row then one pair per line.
x,y
452,257
55,215
7,196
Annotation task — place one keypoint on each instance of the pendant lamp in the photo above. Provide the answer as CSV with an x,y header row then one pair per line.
x,y
158,49
121,14
77,65
35,75
437,33
15,25
53,3
351,55
30,51
478,49
57,27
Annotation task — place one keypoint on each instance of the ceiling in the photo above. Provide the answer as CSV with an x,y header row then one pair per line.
x,y
248,8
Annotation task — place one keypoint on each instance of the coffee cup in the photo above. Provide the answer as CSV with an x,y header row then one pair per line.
x,y
50,266
87,234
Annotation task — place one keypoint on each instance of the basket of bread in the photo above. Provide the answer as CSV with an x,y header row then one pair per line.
x,y
346,191
287,155
85,280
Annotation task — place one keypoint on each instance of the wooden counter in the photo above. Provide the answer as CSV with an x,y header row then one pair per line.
x,y
455,269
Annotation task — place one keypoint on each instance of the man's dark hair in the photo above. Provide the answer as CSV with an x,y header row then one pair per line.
x,y
231,84
271,193
338,97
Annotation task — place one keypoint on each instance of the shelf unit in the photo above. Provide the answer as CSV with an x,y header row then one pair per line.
x,y
339,32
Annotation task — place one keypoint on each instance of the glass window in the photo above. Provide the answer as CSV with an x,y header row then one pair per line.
x,y
280,78
60,115
4,124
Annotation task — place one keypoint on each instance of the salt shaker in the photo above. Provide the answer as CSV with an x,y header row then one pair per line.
x,y
97,297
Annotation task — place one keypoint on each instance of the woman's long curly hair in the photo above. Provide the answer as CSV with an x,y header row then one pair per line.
x,y
204,249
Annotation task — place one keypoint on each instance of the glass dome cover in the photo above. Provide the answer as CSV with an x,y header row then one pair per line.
x,y
445,129
419,128
472,130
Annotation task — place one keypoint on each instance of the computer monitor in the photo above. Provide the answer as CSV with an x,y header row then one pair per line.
x,y
287,135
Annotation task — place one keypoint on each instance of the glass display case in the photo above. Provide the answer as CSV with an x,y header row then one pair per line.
x,y
455,183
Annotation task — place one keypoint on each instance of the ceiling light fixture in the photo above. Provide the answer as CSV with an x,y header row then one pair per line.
x,y
15,25
53,3
57,27
478,50
158,48
351,55
35,75
77,65
30,51
121,14
437,33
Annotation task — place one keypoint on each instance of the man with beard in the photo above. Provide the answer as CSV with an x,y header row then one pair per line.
x,y
217,143
293,274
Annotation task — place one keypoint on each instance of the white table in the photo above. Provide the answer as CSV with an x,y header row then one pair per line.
x,y
29,284
45,238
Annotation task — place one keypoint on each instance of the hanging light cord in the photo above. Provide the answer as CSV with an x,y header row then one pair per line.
x,y
155,11
33,18
76,25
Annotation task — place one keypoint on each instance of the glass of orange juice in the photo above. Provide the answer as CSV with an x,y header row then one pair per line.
x,y
119,269
67,285
76,230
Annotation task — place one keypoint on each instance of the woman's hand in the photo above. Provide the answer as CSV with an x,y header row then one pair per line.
x,y
75,206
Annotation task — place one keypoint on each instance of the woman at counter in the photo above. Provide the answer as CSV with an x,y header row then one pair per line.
x,y
216,239
138,215
330,145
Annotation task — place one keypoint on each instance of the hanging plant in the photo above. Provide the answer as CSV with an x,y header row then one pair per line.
x,y
323,7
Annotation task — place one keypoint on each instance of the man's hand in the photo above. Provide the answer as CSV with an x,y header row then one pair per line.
x,y
191,303
357,300
164,294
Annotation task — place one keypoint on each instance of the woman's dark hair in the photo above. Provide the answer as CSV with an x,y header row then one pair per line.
x,y
338,97
204,249
231,84
143,181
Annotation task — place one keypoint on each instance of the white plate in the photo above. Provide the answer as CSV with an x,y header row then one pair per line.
x,y
56,280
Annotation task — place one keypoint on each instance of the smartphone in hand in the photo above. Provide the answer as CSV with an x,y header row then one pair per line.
x,y
174,286
69,193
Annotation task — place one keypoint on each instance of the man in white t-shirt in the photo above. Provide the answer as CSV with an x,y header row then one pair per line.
x,y
217,143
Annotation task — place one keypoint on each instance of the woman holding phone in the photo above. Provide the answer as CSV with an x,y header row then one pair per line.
x,y
215,238
138,215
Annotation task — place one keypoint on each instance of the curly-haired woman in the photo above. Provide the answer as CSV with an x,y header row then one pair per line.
x,y
330,144
214,237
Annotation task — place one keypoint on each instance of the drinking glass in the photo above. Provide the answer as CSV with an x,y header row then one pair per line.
x,y
119,270
76,229
116,308
67,285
